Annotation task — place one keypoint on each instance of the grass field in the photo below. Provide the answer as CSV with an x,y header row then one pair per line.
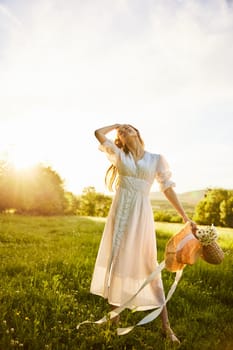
x,y
46,266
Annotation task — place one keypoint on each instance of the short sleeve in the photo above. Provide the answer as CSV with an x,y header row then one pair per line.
x,y
163,174
111,150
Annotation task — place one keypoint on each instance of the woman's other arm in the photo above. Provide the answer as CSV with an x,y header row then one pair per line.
x,y
173,199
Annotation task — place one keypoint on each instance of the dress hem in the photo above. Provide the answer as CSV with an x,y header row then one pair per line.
x,y
133,307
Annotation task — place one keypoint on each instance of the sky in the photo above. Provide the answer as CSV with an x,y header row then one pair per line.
x,y
165,66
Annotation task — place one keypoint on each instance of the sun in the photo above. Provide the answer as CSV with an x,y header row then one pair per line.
x,y
22,156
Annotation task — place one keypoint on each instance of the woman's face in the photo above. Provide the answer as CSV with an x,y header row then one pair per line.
x,y
125,131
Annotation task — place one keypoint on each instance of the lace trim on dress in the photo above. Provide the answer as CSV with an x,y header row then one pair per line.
x,y
121,221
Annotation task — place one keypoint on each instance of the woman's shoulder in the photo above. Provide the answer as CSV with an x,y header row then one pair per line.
x,y
153,155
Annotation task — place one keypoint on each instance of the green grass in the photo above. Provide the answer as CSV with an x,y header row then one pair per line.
x,y
46,266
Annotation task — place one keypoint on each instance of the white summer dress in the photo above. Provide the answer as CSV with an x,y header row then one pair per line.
x,y
127,253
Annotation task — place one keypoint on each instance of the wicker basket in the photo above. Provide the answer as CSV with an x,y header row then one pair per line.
x,y
212,253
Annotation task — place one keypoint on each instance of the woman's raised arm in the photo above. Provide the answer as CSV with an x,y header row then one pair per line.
x,y
100,133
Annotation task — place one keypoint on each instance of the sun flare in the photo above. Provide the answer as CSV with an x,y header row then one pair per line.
x,y
22,157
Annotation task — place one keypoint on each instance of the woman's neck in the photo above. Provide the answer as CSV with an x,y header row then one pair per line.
x,y
136,150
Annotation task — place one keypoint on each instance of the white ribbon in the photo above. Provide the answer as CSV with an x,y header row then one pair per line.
x,y
150,317
154,314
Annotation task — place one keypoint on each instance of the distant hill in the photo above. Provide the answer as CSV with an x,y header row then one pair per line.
x,y
192,197
188,200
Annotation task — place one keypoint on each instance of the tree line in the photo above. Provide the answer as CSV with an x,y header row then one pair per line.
x,y
216,207
40,191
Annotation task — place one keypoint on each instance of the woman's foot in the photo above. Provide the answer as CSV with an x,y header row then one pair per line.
x,y
169,334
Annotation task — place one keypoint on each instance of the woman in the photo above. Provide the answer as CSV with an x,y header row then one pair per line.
x,y
127,254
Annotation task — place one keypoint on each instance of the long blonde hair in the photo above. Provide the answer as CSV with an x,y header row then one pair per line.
x,y
111,177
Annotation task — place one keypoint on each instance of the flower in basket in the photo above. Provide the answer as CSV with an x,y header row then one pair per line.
x,y
207,235
211,251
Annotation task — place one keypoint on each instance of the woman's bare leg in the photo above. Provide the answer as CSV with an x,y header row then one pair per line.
x,y
115,319
166,326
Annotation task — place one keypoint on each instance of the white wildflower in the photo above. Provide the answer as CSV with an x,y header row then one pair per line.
x,y
207,235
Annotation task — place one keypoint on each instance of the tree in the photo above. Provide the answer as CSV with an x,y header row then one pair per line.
x,y
40,191
7,179
103,204
215,208
72,203
226,211
93,203
87,201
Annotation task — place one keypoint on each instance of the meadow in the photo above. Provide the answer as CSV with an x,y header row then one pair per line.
x,y
46,265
